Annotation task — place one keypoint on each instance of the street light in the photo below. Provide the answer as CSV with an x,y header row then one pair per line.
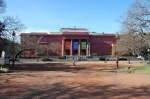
x,y
13,49
112,49
88,47
37,49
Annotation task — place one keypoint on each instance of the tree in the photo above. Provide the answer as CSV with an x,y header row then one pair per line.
x,y
135,45
28,43
11,24
54,47
42,51
8,24
135,28
2,6
137,18
3,43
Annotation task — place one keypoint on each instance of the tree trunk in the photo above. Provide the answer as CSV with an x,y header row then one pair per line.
x,y
117,62
13,61
15,58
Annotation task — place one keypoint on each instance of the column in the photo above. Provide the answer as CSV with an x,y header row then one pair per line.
x,y
87,47
62,51
71,47
79,47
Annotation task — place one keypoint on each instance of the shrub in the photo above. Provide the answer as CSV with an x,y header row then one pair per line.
x,y
4,70
62,57
126,70
102,58
122,58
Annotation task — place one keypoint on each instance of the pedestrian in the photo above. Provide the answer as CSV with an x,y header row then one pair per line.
x,y
129,60
73,63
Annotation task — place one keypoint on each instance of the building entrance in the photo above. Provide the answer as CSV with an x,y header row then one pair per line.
x,y
75,52
83,52
83,46
67,52
75,47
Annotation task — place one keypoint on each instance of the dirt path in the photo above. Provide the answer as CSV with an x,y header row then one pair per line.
x,y
86,80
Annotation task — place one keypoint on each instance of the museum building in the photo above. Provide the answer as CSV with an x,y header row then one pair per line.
x,y
76,41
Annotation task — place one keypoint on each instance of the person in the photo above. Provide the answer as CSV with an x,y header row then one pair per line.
x,y
73,63
129,60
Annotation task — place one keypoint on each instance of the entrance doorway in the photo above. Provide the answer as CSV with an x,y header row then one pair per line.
x,y
67,52
75,52
83,52
75,46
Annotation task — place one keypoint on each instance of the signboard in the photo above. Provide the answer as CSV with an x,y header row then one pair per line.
x,y
75,45
83,45
67,45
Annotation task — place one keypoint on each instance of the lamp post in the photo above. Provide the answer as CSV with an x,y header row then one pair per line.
x,y
13,49
37,49
117,60
88,46
89,49
112,49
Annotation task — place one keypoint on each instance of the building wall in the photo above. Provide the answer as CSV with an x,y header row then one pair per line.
x,y
100,44
47,39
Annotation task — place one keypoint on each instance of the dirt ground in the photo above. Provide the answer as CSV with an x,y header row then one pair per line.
x,y
86,80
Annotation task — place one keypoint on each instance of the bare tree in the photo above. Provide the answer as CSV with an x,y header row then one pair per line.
x,y
54,47
28,43
8,24
128,44
42,51
135,28
137,19
2,6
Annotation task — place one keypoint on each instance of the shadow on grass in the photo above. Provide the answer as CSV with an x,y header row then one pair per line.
x,y
47,67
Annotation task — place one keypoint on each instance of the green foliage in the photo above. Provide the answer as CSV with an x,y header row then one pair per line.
x,y
142,69
126,70
4,70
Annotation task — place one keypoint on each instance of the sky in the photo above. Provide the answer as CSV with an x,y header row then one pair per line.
x,y
51,15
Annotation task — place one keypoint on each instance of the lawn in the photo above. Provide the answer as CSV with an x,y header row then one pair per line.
x,y
142,69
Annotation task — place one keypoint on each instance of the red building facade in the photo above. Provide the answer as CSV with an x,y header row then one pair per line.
x,y
77,41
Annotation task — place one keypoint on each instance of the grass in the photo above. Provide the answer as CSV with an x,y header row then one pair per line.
x,y
142,69
126,70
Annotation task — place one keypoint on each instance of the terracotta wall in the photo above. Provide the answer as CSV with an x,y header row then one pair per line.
x,y
102,45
